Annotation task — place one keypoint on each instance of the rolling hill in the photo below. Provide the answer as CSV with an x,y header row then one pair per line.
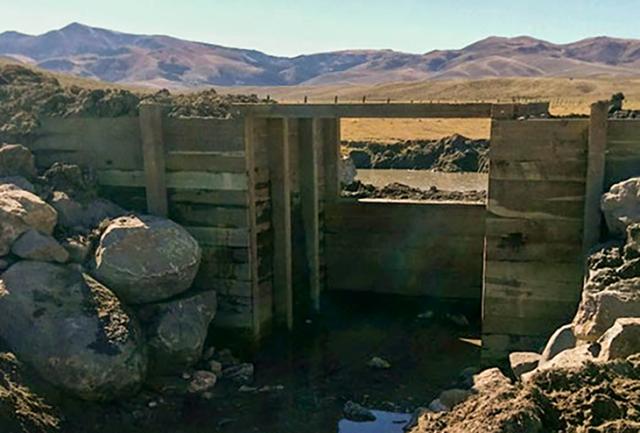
x,y
163,61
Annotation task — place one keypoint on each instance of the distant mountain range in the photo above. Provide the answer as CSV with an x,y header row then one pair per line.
x,y
165,61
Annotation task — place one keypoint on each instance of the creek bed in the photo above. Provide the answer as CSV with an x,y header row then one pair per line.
x,y
324,364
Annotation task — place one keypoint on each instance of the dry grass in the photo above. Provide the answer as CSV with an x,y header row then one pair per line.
x,y
567,96
390,130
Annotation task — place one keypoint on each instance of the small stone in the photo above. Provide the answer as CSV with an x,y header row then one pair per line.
x,y
523,362
271,388
241,373
215,367
452,397
186,376
437,406
226,358
355,412
168,385
247,388
379,363
459,320
207,395
427,315
153,404
561,340
208,353
490,380
78,249
202,381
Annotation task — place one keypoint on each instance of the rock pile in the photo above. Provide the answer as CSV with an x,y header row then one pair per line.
x,y
95,300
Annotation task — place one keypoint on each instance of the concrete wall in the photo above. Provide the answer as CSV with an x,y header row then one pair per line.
x,y
533,257
405,248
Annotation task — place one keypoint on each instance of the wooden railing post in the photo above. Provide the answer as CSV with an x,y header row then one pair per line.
x,y
154,158
279,169
310,135
597,147
331,156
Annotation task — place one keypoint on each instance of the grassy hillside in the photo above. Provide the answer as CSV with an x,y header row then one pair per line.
x,y
566,95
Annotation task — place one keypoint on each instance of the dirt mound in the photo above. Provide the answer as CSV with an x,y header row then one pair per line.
x,y
595,398
401,191
22,409
27,95
450,154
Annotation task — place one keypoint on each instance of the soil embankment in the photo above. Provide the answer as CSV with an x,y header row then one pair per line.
x,y
451,154
399,191
27,95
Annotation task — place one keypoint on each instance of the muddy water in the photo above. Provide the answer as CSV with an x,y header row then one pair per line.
x,y
323,365
424,179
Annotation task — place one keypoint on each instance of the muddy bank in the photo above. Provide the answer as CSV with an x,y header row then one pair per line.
x,y
27,95
302,380
450,154
593,398
399,191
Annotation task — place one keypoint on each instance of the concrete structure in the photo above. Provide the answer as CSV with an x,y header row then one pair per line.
x,y
260,192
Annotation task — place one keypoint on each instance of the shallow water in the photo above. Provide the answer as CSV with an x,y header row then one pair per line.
x,y
424,179
323,365
386,422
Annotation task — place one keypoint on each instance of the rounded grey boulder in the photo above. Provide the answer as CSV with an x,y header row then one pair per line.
x,y
176,331
72,330
146,259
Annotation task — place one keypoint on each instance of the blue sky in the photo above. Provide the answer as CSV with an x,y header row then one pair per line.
x,y
292,27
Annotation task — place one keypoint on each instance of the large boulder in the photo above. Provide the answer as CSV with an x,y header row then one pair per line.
x,y
621,206
20,211
72,330
621,340
16,160
33,245
146,259
177,330
561,340
599,310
